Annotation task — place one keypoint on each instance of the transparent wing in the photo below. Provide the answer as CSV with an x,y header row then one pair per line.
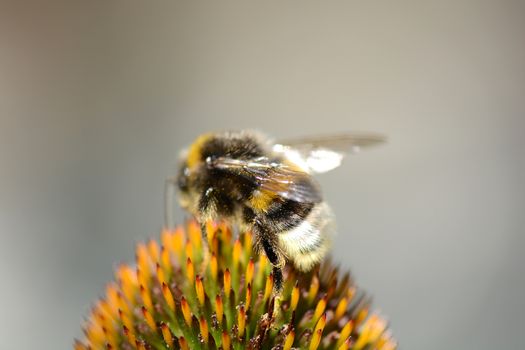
x,y
319,154
273,177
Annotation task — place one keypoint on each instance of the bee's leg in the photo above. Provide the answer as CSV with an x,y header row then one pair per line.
x,y
276,259
205,249
204,234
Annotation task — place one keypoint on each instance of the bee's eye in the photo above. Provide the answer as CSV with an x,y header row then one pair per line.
x,y
183,179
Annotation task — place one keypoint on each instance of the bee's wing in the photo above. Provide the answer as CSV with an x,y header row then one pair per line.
x,y
273,177
324,153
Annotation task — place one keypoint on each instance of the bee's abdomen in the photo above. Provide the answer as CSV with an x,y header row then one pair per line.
x,y
308,241
285,214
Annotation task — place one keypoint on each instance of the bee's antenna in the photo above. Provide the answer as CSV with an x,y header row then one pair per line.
x,y
169,194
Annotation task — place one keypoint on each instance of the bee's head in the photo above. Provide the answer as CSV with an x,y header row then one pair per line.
x,y
191,165
184,185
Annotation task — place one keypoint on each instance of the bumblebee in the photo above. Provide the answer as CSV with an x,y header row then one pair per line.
x,y
266,187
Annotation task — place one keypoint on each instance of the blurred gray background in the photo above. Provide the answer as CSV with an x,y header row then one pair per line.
x,y
98,97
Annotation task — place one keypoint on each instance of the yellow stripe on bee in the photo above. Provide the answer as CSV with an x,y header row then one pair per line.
x,y
194,152
262,199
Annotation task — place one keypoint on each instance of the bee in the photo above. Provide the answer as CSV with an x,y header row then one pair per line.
x,y
266,187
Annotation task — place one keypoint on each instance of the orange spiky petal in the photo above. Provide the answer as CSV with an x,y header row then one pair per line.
x,y
177,241
263,261
199,288
237,248
321,323
166,334
314,288
190,270
140,345
143,261
203,326
186,312
316,340
341,308
128,281
345,333
219,308
288,342
154,251
241,320
188,249
183,343
226,341
146,298
249,272
294,299
248,296
160,274
227,281
168,296
149,319
319,309
195,234
269,287
126,321
345,345
79,346
213,267
130,335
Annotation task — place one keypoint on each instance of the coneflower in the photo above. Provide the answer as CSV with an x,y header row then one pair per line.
x,y
175,297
